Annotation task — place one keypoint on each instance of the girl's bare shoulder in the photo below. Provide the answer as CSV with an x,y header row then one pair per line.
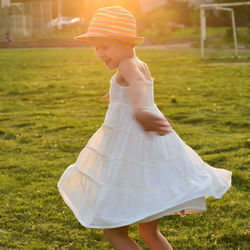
x,y
145,70
130,65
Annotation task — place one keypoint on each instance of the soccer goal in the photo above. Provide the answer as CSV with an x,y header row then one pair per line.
x,y
26,18
220,7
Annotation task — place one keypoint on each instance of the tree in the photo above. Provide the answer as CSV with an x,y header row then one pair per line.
x,y
242,15
161,17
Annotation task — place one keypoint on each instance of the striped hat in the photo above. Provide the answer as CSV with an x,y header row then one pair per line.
x,y
112,22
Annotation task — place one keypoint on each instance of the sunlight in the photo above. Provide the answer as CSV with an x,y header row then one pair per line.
x,y
92,5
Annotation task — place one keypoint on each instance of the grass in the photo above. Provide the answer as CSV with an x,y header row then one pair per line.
x,y
217,37
50,105
223,38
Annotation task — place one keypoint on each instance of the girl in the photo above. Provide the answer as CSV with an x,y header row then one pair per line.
x,y
135,168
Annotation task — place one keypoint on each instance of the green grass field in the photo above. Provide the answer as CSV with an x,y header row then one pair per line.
x,y
217,37
50,105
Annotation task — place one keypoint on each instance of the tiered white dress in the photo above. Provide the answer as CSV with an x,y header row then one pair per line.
x,y
125,175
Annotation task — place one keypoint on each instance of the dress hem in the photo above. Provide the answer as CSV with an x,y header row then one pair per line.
x,y
141,218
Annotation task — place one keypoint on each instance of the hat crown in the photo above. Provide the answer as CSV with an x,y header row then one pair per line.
x,y
115,22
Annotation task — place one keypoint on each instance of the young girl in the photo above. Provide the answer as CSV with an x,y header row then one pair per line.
x,y
135,168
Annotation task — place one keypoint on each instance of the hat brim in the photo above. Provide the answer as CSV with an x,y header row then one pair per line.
x,y
132,40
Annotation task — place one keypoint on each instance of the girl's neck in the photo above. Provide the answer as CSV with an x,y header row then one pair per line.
x,y
131,54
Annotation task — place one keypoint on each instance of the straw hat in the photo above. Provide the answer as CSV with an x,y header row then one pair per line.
x,y
112,22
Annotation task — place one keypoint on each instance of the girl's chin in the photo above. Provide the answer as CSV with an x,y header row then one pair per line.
x,y
111,67
111,64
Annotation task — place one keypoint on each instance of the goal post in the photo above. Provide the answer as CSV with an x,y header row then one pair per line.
x,y
222,7
5,3
26,18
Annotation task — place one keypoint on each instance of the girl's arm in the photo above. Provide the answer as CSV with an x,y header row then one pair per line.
x,y
138,94
129,70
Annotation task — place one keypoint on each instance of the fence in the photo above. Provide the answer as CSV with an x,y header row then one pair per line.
x,y
29,18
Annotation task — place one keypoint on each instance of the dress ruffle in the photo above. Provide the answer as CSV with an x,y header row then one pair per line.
x,y
125,175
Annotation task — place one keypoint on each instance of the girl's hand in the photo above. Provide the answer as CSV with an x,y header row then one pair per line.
x,y
107,96
152,122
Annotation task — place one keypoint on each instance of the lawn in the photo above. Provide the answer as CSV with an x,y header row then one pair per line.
x,y
217,37
50,105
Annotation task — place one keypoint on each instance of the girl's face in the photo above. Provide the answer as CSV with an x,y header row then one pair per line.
x,y
111,52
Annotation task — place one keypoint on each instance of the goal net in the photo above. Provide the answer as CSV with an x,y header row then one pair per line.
x,y
236,48
26,18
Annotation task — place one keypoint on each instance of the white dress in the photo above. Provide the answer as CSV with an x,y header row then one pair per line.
x,y
125,175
